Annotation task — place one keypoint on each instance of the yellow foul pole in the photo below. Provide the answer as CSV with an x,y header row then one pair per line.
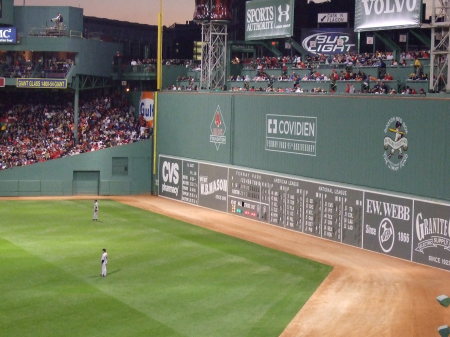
x,y
158,83
160,45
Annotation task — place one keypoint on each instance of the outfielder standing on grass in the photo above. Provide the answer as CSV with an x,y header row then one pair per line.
x,y
104,262
95,212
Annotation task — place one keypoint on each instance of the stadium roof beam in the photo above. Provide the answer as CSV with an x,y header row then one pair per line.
x,y
421,36
87,82
389,42
440,46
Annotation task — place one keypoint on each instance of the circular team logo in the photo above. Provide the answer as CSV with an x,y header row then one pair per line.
x,y
395,143
386,235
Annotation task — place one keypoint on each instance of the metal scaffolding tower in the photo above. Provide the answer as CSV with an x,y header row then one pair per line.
x,y
440,46
214,55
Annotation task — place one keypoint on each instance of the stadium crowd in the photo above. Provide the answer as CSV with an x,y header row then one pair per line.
x,y
326,70
349,59
19,67
31,133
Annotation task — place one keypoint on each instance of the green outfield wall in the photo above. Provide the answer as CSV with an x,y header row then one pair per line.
x,y
119,170
399,144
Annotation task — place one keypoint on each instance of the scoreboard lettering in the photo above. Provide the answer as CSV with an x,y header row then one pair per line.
x,y
409,229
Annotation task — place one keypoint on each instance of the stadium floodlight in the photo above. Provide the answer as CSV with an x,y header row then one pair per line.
x,y
443,300
443,330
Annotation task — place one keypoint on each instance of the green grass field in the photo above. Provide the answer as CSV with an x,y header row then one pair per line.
x,y
166,277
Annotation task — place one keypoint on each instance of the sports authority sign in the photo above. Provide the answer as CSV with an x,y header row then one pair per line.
x,y
386,14
268,19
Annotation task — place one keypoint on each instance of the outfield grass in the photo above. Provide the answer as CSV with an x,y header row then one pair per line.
x,y
166,277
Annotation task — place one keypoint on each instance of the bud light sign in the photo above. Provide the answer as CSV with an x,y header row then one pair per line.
x,y
8,35
147,107
328,41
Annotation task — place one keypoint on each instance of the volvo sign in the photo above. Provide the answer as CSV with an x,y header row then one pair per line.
x,y
386,14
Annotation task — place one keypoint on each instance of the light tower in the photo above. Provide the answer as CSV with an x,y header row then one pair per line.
x,y
214,16
440,46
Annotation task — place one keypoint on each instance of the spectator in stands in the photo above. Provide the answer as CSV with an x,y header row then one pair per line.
x,y
381,69
418,67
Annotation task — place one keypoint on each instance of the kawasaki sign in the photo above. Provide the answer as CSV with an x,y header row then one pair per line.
x,y
268,19
386,14
328,40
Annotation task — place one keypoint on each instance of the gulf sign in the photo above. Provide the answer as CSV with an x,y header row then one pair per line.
x,y
147,107
328,41
8,35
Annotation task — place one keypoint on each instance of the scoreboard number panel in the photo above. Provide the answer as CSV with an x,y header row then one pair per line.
x,y
406,228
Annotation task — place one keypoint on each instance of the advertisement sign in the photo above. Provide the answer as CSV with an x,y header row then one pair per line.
x,y
213,186
431,225
332,18
291,134
147,107
170,179
2,82
41,83
268,19
329,40
386,14
8,35
387,225
405,228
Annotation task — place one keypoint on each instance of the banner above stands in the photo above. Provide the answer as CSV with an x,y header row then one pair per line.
x,y
386,14
329,40
269,19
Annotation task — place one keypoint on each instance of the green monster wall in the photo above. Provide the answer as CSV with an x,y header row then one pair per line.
x,y
115,171
332,138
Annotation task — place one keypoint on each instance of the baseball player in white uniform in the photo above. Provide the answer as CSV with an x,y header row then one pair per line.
x,y
95,211
104,262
